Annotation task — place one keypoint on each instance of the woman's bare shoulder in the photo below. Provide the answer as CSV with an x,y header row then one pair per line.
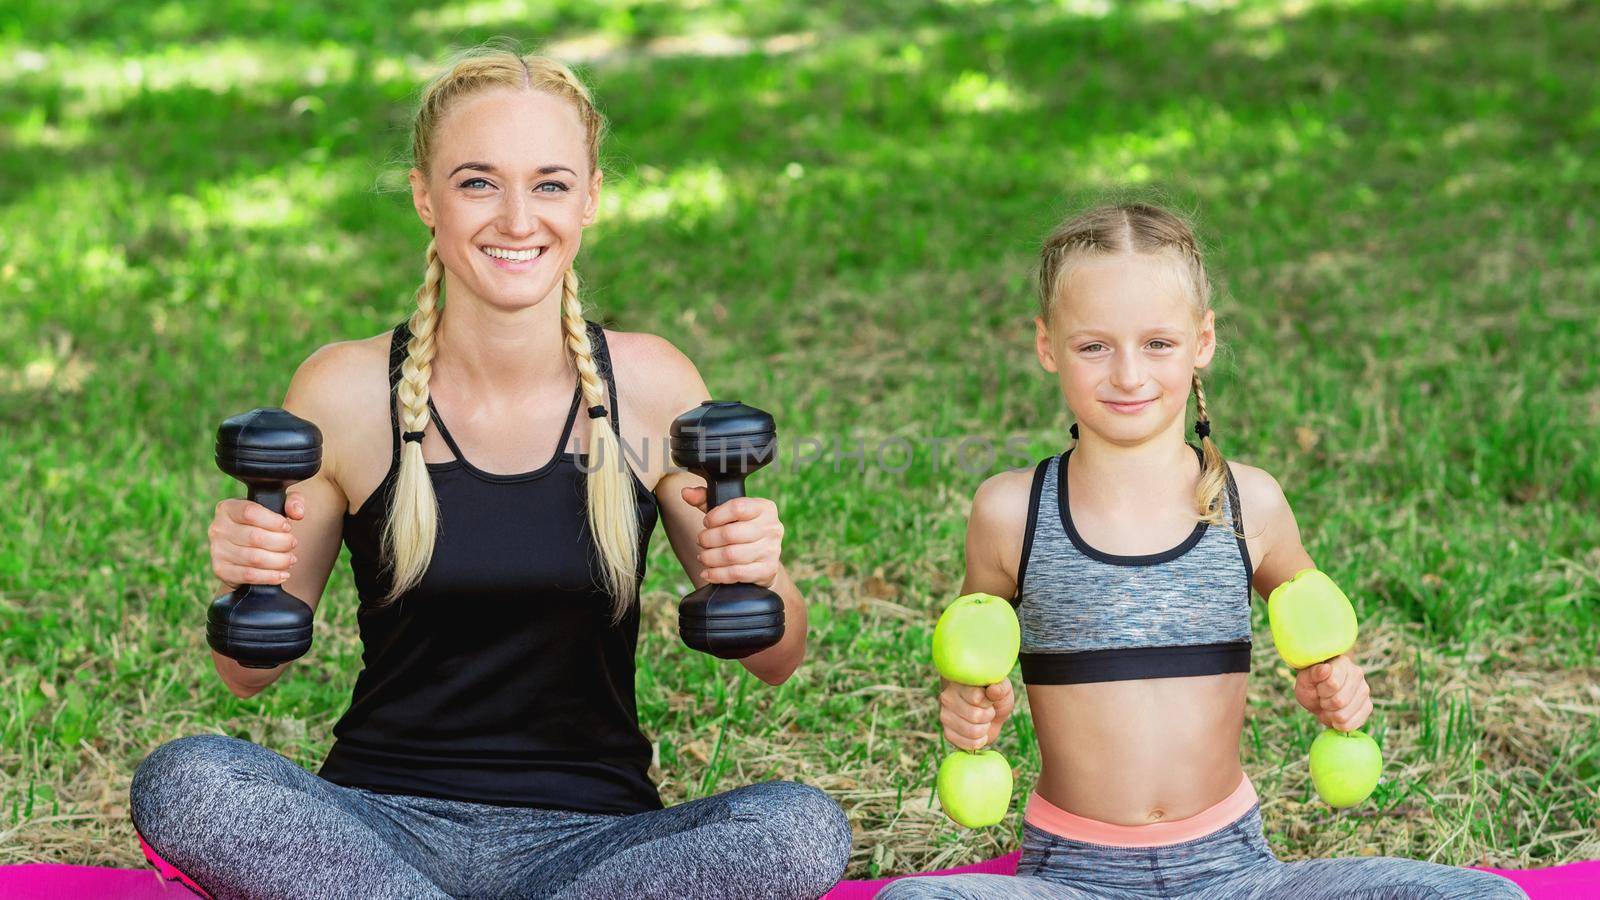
x,y
343,377
343,388
653,376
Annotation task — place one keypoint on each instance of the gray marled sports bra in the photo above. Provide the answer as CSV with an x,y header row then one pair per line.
x,y
1093,616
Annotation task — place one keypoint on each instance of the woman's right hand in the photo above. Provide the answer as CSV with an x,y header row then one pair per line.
x,y
972,714
251,544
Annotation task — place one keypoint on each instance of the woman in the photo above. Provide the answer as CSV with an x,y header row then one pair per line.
x,y
492,744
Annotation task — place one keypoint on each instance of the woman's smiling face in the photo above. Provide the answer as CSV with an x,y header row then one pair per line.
x,y
1124,340
508,193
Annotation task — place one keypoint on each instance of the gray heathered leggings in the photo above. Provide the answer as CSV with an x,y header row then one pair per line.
x,y
243,821
1234,863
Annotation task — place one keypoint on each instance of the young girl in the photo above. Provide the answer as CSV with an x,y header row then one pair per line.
x,y
492,746
1131,557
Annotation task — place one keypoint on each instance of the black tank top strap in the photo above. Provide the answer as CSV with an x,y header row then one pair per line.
x,y
438,423
397,352
561,443
602,362
397,357
572,419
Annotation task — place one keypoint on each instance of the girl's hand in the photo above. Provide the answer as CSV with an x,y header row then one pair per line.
x,y
251,544
1335,692
973,715
742,541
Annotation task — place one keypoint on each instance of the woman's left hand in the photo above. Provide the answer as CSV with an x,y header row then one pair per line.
x,y
741,542
1335,692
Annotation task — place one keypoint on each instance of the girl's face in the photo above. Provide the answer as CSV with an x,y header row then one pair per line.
x,y
508,194
1124,340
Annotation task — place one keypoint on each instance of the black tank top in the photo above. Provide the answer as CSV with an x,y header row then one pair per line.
x,y
498,678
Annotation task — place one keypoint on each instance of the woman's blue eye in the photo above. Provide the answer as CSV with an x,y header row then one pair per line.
x,y
551,184
469,182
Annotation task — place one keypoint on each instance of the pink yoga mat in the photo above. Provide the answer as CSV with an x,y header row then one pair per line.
x,y
1576,881
863,890
43,881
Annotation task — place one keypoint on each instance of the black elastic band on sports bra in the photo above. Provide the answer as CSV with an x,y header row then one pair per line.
x,y
1133,663
1034,493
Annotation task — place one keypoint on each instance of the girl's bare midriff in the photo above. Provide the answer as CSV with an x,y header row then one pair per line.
x,y
1139,752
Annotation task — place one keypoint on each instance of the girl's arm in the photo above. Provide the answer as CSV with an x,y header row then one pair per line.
x,y
995,529
973,715
1335,691
1279,552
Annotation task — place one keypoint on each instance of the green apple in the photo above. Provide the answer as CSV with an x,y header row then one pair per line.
x,y
976,640
1311,619
975,787
1345,766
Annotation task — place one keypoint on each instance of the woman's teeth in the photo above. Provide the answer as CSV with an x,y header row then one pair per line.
x,y
514,255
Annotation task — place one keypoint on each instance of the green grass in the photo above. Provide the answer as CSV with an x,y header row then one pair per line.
x,y
834,212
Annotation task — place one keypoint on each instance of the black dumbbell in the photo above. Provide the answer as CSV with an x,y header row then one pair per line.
x,y
724,441
262,625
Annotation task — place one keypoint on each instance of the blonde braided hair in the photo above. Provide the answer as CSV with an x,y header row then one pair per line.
x,y
1127,228
412,529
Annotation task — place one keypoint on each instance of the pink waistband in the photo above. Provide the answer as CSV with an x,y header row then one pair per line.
x,y
1045,815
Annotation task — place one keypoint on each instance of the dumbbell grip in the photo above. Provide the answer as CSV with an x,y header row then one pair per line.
x,y
272,495
721,490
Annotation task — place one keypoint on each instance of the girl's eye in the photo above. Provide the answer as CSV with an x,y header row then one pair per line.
x,y
1092,348
1160,344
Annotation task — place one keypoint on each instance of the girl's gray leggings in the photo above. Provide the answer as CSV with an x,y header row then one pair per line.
x,y
1233,863
243,821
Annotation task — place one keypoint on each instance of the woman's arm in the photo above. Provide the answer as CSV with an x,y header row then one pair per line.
x,y
739,541
314,510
